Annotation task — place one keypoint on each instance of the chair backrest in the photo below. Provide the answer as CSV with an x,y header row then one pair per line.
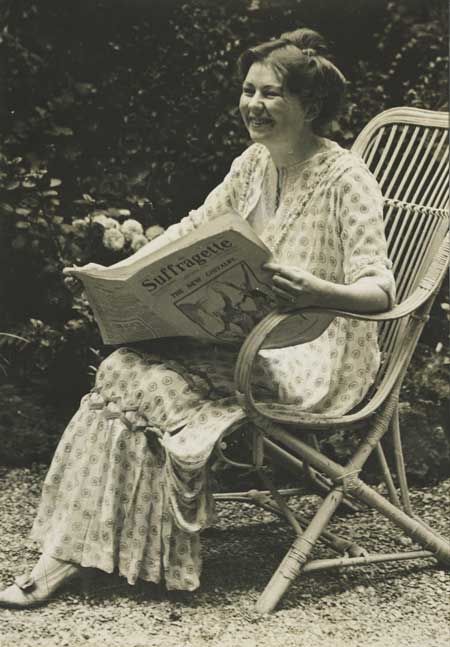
x,y
407,150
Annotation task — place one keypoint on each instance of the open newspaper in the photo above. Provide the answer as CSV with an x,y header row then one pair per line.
x,y
209,285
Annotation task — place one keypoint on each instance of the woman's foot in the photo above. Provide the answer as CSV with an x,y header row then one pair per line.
x,y
30,590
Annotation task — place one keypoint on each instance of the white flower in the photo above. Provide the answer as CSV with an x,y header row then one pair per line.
x,y
153,231
107,223
138,241
111,223
131,228
79,225
113,239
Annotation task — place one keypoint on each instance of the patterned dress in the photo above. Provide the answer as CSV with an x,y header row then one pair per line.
x,y
128,485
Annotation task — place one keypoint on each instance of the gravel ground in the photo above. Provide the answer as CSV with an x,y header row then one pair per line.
x,y
403,604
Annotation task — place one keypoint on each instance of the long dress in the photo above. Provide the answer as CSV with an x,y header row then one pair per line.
x,y
128,488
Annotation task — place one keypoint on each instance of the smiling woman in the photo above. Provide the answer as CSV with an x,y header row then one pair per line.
x,y
298,68
270,112
128,486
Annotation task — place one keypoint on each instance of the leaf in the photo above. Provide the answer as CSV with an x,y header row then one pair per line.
x,y
23,212
85,88
6,208
115,213
60,131
28,184
55,182
11,336
19,242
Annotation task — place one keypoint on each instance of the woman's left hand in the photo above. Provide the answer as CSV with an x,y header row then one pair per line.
x,y
296,287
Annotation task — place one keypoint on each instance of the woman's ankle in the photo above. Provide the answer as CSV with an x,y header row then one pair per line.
x,y
53,572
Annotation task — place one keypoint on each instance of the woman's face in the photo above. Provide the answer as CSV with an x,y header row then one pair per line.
x,y
271,114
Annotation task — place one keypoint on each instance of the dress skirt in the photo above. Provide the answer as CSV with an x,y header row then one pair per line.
x,y
128,485
127,489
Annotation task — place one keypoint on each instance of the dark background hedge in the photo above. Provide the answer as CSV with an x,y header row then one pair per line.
x,y
128,108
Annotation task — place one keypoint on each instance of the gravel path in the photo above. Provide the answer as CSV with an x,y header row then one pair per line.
x,y
392,605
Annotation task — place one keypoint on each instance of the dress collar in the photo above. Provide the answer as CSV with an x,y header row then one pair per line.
x,y
328,145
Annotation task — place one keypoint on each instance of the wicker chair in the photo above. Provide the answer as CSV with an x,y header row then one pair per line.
x,y
407,150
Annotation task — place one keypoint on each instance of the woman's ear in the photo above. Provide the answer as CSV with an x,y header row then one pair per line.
x,y
313,110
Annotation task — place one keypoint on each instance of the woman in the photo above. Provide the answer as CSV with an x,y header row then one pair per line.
x,y
128,485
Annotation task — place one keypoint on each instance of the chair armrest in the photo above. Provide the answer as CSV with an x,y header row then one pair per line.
x,y
293,414
400,310
427,286
283,413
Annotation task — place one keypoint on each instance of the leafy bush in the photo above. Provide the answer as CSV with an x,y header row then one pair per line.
x,y
126,113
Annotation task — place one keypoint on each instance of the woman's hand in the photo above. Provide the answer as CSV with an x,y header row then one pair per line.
x,y
72,282
296,287
74,285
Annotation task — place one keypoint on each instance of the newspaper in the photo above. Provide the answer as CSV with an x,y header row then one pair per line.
x,y
209,285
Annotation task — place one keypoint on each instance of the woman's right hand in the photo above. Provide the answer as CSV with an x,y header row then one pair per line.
x,y
74,285
71,281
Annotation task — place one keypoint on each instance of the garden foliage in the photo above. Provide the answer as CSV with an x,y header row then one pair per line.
x,y
118,117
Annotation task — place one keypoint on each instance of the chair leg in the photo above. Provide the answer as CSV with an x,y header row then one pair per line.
x,y
350,482
278,505
298,554
387,476
322,483
400,463
416,530
280,502
347,478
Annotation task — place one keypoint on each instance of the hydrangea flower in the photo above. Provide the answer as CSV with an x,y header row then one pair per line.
x,y
113,239
80,225
74,324
153,231
138,241
107,223
131,228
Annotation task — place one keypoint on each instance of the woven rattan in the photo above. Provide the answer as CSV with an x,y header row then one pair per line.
x,y
407,151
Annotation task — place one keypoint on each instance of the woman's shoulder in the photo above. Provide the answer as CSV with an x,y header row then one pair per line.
x,y
254,154
250,164
351,168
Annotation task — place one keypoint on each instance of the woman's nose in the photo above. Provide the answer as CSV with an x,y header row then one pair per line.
x,y
256,102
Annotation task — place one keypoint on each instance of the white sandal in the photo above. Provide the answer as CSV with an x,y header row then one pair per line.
x,y
34,589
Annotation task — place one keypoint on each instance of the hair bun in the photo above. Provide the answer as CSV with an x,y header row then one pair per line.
x,y
310,42
309,51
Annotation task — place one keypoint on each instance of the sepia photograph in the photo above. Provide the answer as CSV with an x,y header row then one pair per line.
x,y
224,323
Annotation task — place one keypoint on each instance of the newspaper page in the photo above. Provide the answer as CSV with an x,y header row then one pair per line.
x,y
209,285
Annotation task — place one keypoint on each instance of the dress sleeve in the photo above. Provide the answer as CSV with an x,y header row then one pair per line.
x,y
224,198
360,208
227,196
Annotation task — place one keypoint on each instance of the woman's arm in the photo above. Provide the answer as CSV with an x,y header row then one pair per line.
x,y
298,287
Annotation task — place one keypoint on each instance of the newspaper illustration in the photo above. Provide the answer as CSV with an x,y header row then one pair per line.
x,y
231,304
209,285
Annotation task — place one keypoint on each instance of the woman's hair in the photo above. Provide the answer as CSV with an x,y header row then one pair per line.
x,y
302,59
